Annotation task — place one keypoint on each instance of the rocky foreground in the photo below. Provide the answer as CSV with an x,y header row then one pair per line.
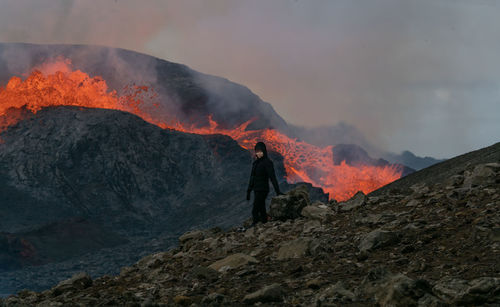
x,y
434,245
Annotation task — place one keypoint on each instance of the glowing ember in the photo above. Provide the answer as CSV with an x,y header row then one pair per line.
x,y
56,84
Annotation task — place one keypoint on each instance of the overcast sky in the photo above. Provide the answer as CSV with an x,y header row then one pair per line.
x,y
410,74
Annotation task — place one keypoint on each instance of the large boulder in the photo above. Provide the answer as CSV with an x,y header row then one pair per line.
x,y
376,239
290,205
481,174
318,211
358,200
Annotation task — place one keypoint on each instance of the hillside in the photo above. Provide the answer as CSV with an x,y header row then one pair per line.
x,y
444,171
436,243
100,188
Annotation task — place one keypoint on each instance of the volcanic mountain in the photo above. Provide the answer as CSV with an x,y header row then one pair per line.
x,y
170,95
188,95
102,146
98,178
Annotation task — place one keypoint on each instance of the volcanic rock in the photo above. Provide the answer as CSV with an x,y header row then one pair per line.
x,y
232,262
398,290
79,281
191,235
439,251
108,179
294,249
441,172
271,293
290,205
358,200
377,238
480,174
336,293
455,291
317,211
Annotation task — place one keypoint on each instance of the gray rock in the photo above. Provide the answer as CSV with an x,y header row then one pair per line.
x,y
377,238
232,261
213,298
290,205
482,174
294,249
78,281
400,290
449,289
271,293
494,234
389,289
482,290
311,226
152,261
358,200
191,235
455,180
204,272
317,212
337,293
314,283
461,292
379,218
420,189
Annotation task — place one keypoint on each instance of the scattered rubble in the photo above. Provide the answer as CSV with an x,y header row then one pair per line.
x,y
434,245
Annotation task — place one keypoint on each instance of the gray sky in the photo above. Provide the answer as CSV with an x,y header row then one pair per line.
x,y
410,74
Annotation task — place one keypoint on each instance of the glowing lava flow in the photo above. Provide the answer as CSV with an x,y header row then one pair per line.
x,y
303,161
309,163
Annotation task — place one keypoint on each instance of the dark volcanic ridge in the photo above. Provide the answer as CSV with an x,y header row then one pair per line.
x,y
98,188
444,171
436,243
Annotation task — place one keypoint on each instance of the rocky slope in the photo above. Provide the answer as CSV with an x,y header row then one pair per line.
x,y
74,181
115,169
435,244
446,170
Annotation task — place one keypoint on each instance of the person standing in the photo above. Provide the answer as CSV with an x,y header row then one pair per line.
x,y
262,171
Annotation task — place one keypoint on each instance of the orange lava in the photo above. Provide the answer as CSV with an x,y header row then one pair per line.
x,y
56,84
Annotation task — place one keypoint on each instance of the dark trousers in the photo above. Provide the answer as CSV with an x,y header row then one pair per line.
x,y
259,213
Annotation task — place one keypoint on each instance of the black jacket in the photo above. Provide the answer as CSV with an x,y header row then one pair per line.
x,y
262,171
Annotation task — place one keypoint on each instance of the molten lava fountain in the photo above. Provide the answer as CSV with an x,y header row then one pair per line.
x,y
55,84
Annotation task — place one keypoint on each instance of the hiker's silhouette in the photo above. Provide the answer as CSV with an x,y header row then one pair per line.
x,y
262,171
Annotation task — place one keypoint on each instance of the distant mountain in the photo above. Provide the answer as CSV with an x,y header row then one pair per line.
x,y
409,159
356,156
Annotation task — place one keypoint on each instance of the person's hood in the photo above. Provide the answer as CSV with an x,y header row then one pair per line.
x,y
261,146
